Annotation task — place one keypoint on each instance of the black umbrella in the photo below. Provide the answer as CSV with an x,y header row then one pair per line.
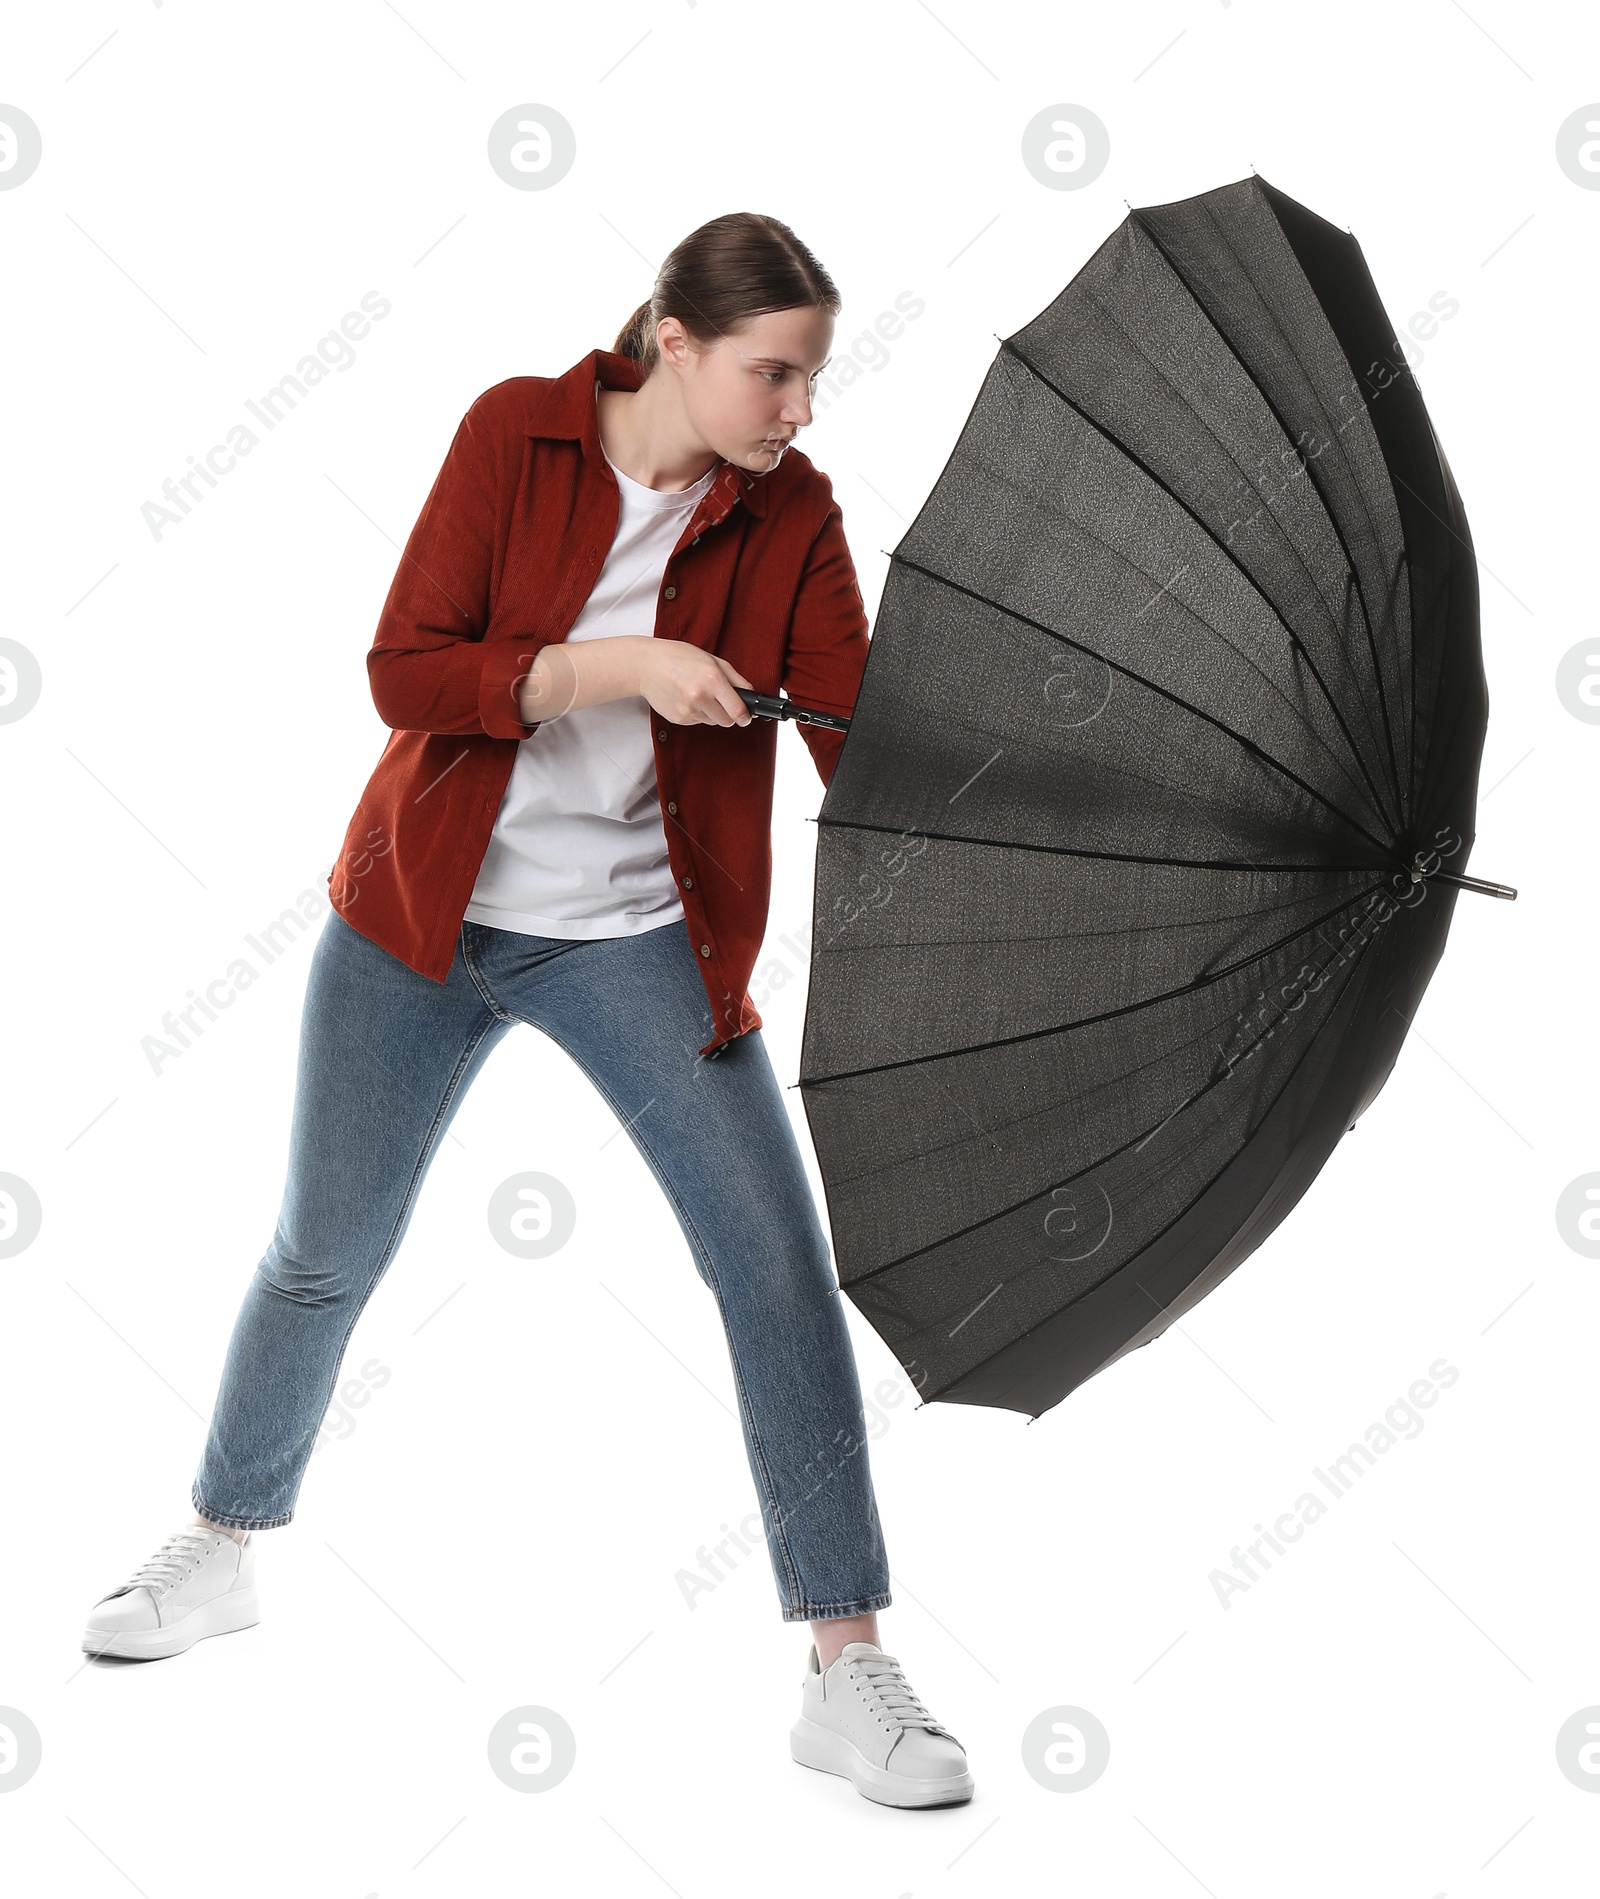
x,y
1145,837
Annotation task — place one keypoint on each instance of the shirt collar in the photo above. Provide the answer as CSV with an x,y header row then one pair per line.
x,y
567,413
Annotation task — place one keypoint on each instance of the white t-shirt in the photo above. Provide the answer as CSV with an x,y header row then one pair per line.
x,y
578,847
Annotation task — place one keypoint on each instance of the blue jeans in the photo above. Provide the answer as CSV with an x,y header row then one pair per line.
x,y
385,1057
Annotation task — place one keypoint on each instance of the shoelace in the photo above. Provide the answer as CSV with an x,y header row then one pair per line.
x,y
890,1691
167,1566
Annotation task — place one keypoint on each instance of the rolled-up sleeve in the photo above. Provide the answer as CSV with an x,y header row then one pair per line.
x,y
827,649
429,667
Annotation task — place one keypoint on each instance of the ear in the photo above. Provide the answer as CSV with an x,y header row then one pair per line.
x,y
672,340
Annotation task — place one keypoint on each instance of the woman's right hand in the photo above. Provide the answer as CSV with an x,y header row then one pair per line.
x,y
689,686
683,683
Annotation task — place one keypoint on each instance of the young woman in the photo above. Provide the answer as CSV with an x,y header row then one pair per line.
x,y
570,827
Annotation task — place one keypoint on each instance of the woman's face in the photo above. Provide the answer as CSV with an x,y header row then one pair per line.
x,y
749,394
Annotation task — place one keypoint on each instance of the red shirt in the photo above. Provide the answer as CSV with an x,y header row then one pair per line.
x,y
507,549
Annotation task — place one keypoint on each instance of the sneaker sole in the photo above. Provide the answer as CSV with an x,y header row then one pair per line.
x,y
223,1615
814,1746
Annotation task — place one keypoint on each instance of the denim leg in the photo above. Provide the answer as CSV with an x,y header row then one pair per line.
x,y
385,1057
632,1012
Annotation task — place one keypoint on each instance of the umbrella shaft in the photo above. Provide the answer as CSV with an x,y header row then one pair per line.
x,y
1475,883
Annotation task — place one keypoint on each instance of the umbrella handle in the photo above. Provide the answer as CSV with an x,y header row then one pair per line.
x,y
764,706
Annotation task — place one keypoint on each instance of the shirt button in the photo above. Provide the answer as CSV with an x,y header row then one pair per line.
x,y
705,949
670,593
661,731
688,883
672,808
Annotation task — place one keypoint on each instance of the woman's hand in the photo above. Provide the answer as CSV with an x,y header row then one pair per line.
x,y
690,686
684,683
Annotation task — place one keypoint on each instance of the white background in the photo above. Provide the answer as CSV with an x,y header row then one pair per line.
x,y
505,1520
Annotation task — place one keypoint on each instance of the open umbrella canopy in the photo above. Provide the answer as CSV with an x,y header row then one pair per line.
x,y
1144,840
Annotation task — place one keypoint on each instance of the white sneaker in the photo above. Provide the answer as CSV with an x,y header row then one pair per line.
x,y
859,1718
200,1582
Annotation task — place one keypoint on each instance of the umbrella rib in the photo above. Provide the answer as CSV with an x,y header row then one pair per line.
x,y
1072,850
1106,1015
1139,679
1081,939
1227,552
1355,573
989,1218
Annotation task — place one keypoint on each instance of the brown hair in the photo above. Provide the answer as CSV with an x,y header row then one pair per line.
x,y
734,267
